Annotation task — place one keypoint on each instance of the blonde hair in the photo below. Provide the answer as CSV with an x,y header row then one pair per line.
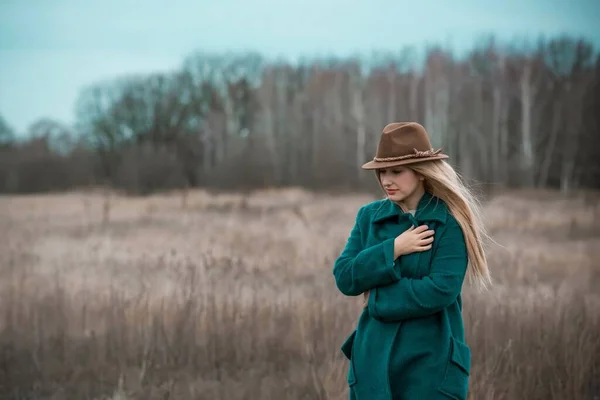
x,y
442,181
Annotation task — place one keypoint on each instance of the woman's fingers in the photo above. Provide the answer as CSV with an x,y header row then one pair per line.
x,y
422,248
426,233
420,228
425,241
423,237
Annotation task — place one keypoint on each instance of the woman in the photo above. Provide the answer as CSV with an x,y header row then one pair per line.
x,y
408,255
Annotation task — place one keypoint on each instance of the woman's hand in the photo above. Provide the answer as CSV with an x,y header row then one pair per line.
x,y
413,240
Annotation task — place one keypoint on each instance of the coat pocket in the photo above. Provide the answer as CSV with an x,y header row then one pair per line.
x,y
455,383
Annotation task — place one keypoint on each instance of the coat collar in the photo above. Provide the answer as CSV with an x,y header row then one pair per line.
x,y
430,208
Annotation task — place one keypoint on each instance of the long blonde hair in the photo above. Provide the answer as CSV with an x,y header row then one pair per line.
x,y
441,180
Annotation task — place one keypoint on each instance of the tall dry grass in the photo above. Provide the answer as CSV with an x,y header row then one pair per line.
x,y
232,297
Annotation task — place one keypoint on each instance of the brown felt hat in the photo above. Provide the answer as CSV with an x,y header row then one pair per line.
x,y
403,143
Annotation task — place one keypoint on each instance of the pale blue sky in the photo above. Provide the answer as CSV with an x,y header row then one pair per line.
x,y
50,49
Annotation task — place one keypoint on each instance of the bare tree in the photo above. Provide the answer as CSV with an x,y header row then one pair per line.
x,y
358,117
528,158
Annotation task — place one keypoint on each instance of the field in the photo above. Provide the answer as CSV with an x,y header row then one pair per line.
x,y
231,296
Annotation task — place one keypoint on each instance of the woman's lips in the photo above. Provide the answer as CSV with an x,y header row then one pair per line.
x,y
390,191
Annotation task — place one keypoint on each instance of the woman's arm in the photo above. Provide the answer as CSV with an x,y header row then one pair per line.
x,y
357,270
413,298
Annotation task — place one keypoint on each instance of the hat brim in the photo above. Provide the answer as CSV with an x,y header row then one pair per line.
x,y
387,164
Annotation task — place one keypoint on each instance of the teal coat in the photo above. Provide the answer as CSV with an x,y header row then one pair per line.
x,y
409,343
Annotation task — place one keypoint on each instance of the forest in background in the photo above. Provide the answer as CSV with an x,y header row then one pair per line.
x,y
508,114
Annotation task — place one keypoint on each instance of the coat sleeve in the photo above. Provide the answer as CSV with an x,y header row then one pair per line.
x,y
357,270
413,298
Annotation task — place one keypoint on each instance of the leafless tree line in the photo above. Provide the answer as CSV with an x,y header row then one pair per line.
x,y
508,115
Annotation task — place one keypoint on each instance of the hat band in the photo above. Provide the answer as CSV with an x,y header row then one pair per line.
x,y
416,154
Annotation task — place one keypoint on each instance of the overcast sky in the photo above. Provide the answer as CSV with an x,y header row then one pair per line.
x,y
50,49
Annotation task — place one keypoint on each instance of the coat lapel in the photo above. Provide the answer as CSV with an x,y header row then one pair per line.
x,y
431,209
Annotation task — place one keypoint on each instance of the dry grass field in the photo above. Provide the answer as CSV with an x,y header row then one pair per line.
x,y
231,296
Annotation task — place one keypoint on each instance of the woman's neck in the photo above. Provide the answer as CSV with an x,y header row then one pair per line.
x,y
412,201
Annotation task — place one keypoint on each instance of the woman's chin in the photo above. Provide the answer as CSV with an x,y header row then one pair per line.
x,y
395,197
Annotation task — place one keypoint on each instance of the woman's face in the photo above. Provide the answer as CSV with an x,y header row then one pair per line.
x,y
400,183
